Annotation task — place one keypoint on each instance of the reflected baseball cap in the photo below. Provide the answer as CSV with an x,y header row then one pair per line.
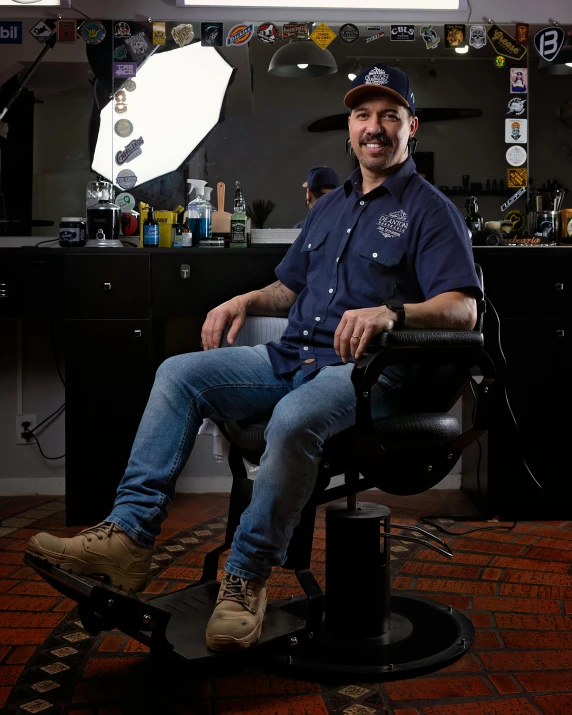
x,y
321,176
383,79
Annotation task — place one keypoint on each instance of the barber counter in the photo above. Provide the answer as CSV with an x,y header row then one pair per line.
x,y
125,310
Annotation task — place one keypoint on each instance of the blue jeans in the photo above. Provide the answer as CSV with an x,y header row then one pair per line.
x,y
239,384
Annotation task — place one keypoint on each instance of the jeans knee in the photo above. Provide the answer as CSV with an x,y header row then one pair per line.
x,y
291,431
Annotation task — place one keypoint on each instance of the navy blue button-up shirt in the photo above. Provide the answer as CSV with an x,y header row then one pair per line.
x,y
402,240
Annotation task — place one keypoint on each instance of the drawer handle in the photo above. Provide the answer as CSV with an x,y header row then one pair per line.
x,y
137,333
185,270
559,333
107,286
559,286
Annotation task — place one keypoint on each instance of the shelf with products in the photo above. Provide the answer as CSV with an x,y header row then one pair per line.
x,y
470,192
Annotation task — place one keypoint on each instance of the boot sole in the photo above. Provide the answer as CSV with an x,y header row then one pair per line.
x,y
228,644
116,577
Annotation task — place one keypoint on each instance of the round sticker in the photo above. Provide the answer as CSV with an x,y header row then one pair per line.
x,y
126,179
123,128
517,218
267,33
348,33
130,85
93,32
516,155
122,29
125,201
500,61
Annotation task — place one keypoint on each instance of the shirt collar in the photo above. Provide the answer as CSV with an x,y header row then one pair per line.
x,y
395,183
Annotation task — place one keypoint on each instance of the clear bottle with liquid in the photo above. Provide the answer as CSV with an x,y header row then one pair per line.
x,y
199,213
239,221
151,235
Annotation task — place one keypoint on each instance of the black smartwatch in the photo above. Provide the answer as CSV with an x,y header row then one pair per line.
x,y
397,307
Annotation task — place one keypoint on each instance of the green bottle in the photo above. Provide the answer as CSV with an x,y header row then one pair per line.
x,y
238,221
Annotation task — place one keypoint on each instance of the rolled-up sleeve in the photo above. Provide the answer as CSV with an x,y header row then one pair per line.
x,y
293,268
444,259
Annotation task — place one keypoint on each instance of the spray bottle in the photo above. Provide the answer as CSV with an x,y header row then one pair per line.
x,y
199,213
211,241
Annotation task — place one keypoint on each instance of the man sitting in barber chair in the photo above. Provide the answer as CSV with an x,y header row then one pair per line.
x,y
383,251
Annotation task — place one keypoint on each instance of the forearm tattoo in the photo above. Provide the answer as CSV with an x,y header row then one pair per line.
x,y
281,299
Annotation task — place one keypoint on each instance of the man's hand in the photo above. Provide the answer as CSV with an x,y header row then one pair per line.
x,y
232,313
358,327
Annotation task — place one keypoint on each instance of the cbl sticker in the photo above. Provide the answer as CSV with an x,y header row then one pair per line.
x,y
93,32
429,36
268,33
477,36
348,33
239,35
126,179
183,34
517,178
402,33
516,155
516,131
123,128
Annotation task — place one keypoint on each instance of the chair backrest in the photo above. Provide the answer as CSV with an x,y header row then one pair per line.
x,y
440,387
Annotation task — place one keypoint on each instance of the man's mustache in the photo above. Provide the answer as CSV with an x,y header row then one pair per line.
x,y
381,138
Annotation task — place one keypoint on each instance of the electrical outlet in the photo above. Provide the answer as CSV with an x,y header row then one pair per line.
x,y
19,429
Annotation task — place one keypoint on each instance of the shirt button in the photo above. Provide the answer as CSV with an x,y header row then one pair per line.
x,y
331,290
337,259
309,245
349,230
306,347
318,318
374,255
362,203
305,332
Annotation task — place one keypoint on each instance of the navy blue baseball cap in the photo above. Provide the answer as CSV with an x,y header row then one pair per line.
x,y
380,78
321,176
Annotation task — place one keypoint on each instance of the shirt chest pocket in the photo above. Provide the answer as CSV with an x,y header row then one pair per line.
x,y
376,268
314,250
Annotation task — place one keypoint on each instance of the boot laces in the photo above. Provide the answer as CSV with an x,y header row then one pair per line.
x,y
236,589
101,531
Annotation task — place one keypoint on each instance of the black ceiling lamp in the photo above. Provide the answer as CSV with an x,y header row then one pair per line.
x,y
302,58
562,63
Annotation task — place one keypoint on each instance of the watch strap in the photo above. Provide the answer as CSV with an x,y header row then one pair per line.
x,y
398,308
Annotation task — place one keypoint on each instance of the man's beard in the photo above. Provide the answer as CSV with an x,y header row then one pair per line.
x,y
376,163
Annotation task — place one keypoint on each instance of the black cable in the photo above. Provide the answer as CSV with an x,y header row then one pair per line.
x,y
60,409
428,520
51,240
27,431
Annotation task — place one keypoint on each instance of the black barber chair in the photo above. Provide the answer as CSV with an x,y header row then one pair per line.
x,y
357,627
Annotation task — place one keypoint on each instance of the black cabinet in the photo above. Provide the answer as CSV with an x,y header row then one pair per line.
x,y
529,434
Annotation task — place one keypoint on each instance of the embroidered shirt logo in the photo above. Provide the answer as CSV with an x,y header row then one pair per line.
x,y
393,224
377,76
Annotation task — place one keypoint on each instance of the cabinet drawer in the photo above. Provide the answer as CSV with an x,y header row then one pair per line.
x,y
541,345
31,285
107,286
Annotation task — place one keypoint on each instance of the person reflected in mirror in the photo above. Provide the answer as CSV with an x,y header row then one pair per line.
x,y
319,182
384,251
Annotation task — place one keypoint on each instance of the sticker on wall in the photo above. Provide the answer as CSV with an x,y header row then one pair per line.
x,y
522,33
505,44
138,45
67,31
295,31
477,36
517,219
500,61
548,42
43,30
10,32
122,30
373,28
126,179
120,52
516,131
130,86
516,155
239,35
125,201
211,34
430,37
348,33
517,178
402,33
454,36
123,128
159,33
268,33
131,151
93,32
518,80
120,102
183,34
377,36
323,35
512,199
121,70
516,106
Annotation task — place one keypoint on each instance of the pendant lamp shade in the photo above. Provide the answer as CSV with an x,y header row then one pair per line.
x,y
562,63
285,61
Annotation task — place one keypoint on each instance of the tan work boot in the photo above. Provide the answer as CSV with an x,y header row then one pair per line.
x,y
101,551
237,618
